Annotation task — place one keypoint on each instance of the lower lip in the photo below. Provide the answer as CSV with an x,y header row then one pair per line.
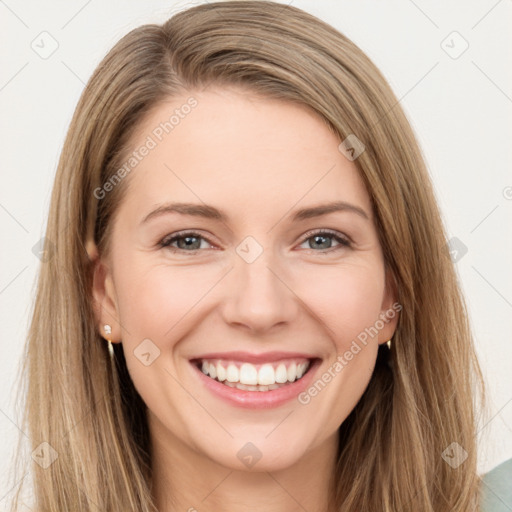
x,y
258,399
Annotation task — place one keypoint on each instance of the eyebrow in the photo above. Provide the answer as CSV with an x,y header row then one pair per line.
x,y
210,212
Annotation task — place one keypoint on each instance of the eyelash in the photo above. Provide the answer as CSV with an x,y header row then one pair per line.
x,y
342,240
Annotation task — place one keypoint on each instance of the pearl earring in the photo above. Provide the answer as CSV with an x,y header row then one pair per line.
x,y
108,332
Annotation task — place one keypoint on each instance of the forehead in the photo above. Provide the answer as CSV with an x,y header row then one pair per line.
x,y
236,150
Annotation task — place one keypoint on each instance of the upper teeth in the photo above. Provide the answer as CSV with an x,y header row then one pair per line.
x,y
247,373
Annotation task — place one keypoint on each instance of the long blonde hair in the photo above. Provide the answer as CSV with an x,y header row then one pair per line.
x,y
418,402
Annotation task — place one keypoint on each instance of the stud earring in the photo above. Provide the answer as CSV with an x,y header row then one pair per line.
x,y
388,343
108,332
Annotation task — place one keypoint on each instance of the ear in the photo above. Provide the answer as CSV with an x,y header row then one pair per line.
x,y
390,310
104,296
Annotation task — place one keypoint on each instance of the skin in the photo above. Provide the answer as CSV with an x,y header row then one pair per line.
x,y
259,160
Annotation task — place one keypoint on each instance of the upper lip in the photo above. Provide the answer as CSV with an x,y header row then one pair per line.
x,y
250,357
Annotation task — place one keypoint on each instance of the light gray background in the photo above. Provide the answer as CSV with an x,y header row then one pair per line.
x,y
460,108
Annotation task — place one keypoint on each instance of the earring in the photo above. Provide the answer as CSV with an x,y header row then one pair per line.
x,y
389,358
108,332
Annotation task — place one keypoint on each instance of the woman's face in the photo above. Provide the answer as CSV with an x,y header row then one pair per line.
x,y
229,254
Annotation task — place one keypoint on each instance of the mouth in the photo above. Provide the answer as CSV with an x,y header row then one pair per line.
x,y
254,377
258,384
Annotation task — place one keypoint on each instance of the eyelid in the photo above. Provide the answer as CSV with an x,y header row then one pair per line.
x,y
342,239
168,239
333,232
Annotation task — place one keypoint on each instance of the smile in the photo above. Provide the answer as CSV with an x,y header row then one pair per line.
x,y
255,377
255,381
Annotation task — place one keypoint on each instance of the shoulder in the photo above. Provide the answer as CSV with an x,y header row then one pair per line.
x,y
497,489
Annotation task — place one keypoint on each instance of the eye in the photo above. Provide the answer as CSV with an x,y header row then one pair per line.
x,y
187,241
190,241
322,239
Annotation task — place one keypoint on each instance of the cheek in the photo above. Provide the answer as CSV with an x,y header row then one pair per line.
x,y
160,303
346,300
155,300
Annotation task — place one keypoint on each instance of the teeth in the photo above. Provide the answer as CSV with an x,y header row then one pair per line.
x,y
292,372
245,387
266,375
281,374
247,376
232,374
221,372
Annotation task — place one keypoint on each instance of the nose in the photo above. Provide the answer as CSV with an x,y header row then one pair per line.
x,y
258,297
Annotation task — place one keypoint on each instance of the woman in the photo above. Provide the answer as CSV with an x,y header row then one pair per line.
x,y
250,304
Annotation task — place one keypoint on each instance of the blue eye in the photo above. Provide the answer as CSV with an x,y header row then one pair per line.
x,y
190,241
321,240
187,241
